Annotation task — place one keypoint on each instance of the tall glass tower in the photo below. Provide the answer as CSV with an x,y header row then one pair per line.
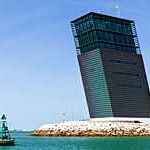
x,y
111,66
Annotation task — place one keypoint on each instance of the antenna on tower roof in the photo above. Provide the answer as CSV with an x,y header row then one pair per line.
x,y
115,8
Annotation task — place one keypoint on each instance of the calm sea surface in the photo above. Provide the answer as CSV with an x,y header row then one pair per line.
x,y
26,142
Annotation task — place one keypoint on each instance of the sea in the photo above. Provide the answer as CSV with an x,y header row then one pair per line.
x,y
24,141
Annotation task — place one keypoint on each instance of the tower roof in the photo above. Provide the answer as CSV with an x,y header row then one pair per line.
x,y
102,15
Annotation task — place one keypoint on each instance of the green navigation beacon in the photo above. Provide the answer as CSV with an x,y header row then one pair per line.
x,y
5,138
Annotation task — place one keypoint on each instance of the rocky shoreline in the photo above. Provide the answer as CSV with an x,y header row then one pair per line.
x,y
94,128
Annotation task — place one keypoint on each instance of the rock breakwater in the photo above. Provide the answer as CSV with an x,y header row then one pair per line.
x,y
94,128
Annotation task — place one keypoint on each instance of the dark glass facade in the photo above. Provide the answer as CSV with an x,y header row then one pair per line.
x,y
111,66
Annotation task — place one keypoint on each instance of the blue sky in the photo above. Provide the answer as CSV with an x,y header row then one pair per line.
x,y
39,73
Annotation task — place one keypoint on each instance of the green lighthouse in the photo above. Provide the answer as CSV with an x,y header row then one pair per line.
x,y
5,138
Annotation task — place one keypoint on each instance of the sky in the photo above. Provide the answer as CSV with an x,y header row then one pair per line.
x,y
40,80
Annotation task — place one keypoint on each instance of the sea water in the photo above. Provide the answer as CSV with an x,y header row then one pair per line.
x,y
26,142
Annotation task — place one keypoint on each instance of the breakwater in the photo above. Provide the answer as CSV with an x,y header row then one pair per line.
x,y
94,128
